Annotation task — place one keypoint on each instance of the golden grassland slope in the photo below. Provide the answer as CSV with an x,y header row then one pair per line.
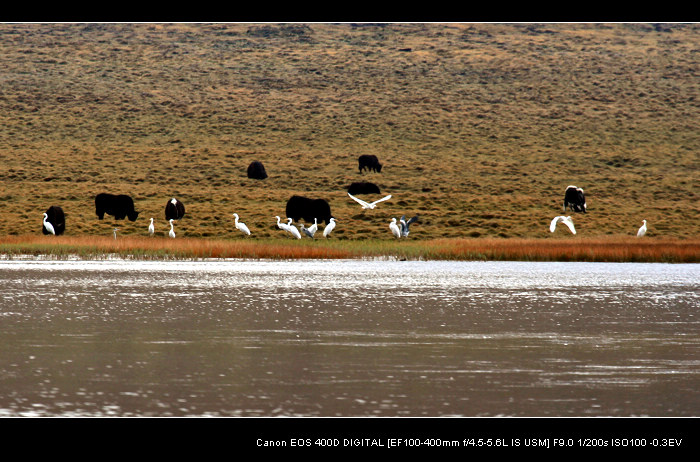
x,y
480,127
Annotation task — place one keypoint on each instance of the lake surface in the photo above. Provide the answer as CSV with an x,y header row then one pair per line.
x,y
348,338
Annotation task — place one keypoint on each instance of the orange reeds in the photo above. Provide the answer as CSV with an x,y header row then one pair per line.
x,y
608,249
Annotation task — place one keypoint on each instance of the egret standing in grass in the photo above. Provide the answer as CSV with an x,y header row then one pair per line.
x,y
172,230
566,220
329,227
48,226
369,205
643,230
115,233
281,225
394,228
151,228
312,229
241,226
294,232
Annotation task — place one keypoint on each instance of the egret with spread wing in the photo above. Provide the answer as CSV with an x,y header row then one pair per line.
x,y
566,220
369,205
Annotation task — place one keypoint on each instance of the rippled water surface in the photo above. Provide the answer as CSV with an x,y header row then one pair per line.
x,y
348,338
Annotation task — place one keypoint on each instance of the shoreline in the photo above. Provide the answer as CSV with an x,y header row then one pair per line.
x,y
595,249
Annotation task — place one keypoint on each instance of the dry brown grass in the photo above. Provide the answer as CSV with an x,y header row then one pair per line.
x,y
605,249
480,127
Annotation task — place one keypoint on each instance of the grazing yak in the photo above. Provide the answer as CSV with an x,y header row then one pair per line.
x,y
575,199
308,209
256,171
363,188
55,216
174,210
369,162
120,206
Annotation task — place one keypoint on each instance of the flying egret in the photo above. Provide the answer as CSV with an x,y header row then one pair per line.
x,y
172,230
405,224
566,220
369,205
241,226
151,228
48,226
394,228
643,230
329,227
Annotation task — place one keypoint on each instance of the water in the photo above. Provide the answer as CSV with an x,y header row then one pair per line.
x,y
348,338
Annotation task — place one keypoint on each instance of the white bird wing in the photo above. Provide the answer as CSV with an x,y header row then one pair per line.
x,y
570,223
312,229
553,224
385,198
365,205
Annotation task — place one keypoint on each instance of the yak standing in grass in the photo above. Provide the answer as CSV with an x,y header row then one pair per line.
x,y
575,199
120,206
256,171
299,207
56,217
369,162
174,210
363,188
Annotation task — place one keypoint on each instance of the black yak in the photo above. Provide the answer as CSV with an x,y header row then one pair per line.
x,y
363,188
174,210
575,199
299,207
56,217
120,206
256,171
369,162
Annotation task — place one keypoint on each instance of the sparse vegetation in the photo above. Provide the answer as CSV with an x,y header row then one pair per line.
x,y
480,128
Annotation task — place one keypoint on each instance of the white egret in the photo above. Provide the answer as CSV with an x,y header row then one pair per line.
x,y
329,227
115,233
369,205
172,230
405,224
151,228
286,226
312,229
566,220
292,229
241,226
48,226
643,230
394,228
281,225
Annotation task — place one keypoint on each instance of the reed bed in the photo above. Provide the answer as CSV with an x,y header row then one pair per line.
x,y
606,249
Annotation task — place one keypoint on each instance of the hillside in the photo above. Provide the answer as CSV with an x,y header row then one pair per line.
x,y
480,127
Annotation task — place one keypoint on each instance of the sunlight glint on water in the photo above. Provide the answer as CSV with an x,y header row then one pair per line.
x,y
348,338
